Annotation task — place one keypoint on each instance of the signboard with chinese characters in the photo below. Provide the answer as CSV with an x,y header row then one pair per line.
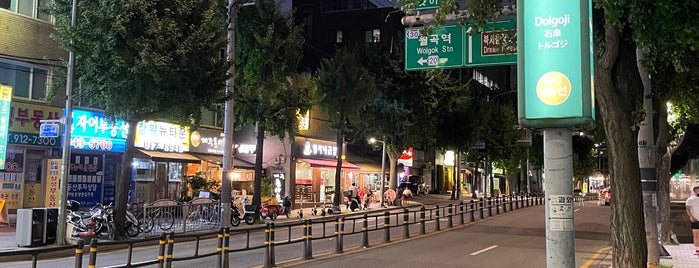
x,y
496,45
554,78
25,121
5,100
95,132
443,48
85,180
53,173
161,136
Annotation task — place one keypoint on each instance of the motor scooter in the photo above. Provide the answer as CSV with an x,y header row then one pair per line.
x,y
235,215
85,223
248,211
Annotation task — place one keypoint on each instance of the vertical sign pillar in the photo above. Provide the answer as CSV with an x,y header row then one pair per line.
x,y
555,82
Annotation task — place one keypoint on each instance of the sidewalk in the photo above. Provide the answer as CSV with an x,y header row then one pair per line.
x,y
8,239
681,256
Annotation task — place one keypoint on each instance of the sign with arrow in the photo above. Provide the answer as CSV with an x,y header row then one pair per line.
x,y
442,48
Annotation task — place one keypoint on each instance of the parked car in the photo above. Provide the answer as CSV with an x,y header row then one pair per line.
x,y
578,193
605,195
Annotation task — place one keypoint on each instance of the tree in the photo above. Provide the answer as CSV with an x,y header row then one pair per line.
x,y
270,93
620,28
346,88
146,60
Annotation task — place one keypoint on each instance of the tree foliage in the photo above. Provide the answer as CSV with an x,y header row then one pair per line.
x,y
346,88
268,91
146,60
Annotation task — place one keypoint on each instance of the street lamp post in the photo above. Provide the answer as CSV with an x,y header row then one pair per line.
x,y
383,165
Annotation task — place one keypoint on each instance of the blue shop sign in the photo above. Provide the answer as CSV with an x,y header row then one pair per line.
x,y
95,132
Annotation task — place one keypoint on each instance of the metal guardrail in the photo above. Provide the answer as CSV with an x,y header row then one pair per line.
x,y
291,233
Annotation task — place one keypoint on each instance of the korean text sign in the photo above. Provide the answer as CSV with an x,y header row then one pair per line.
x,y
94,131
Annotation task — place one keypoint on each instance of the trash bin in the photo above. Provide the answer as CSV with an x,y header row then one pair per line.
x,y
51,225
31,224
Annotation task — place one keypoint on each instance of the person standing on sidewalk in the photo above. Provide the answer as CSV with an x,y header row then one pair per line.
x,y
692,207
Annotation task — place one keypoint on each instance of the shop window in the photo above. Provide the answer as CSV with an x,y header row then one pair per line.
x,y
30,8
144,170
372,36
26,80
174,172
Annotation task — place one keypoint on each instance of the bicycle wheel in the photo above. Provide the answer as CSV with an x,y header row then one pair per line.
x,y
194,217
147,224
166,220
132,230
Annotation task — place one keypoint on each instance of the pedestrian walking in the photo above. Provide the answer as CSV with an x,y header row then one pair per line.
x,y
692,207
407,194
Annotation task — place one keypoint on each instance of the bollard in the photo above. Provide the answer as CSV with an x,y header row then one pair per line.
x,y
219,249
93,253
161,250
490,206
505,203
406,223
310,239
365,231
497,205
472,211
482,206
269,245
450,213
436,222
339,229
304,250
422,220
170,248
511,206
461,212
226,245
79,254
521,200
386,227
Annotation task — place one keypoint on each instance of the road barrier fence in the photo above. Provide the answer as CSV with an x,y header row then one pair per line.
x,y
300,231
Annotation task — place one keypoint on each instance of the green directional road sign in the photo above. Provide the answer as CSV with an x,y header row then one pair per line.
x,y
495,45
428,4
443,48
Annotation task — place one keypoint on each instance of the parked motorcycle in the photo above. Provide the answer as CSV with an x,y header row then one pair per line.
x,y
235,215
85,223
248,211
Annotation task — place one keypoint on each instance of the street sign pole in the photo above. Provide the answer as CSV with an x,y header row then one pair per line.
x,y
558,189
63,184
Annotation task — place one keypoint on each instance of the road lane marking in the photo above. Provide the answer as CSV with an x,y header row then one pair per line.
x,y
594,257
483,250
576,210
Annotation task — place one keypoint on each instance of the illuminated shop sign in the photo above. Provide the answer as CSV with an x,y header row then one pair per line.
x,y
5,100
95,132
318,149
211,142
25,120
161,136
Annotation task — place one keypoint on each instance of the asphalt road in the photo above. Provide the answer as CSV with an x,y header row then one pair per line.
x,y
520,235
516,240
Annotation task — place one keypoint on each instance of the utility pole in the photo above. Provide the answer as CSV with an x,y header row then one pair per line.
x,y
67,123
646,163
558,166
228,118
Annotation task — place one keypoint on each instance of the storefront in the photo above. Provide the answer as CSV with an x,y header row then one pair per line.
x,y
207,146
160,161
97,146
314,169
25,181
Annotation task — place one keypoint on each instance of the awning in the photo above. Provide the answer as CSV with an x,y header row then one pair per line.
x,y
218,159
329,163
166,157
